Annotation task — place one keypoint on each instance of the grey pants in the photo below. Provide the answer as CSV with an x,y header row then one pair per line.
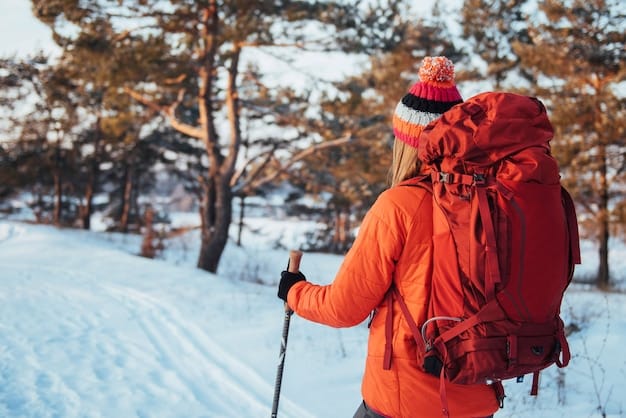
x,y
365,412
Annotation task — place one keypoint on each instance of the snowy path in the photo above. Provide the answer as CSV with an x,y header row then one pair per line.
x,y
87,330
81,336
203,363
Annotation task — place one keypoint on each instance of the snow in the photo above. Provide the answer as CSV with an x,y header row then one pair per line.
x,y
89,329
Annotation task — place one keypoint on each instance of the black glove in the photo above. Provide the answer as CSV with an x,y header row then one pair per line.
x,y
288,279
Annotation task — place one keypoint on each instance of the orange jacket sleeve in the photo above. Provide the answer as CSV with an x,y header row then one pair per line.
x,y
364,276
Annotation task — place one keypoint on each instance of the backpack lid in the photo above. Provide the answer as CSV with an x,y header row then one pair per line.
x,y
485,129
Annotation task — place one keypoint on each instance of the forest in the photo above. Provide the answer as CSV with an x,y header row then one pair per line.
x,y
160,105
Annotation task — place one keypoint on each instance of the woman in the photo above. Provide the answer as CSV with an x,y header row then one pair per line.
x,y
394,247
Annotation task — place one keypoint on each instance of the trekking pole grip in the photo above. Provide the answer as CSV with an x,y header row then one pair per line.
x,y
294,261
293,267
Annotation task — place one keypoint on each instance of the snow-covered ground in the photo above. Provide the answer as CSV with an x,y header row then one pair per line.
x,y
89,329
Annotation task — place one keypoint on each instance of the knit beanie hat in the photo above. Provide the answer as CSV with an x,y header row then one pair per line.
x,y
432,95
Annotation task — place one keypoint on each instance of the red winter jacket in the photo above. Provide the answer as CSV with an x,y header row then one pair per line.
x,y
393,245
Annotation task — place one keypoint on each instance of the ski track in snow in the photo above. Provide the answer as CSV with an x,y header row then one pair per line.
x,y
8,231
131,351
38,390
196,358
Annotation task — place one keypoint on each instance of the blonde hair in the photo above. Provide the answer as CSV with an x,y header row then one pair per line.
x,y
405,163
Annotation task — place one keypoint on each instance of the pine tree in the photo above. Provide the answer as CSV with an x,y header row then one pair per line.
x,y
18,79
578,58
99,60
204,90
362,107
40,155
183,59
491,26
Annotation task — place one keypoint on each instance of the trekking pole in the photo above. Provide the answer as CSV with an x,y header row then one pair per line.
x,y
293,267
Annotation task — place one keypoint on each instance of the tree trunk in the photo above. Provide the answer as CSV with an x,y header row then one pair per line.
x,y
126,199
58,185
92,178
88,208
603,267
604,233
58,197
148,249
218,197
216,216
242,208
38,207
338,236
210,244
341,235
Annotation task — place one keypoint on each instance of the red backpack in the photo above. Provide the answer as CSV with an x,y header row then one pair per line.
x,y
505,241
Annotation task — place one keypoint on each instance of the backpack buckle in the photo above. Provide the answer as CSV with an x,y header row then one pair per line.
x,y
479,179
445,177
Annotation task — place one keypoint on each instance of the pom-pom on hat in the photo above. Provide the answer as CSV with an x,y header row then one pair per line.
x,y
432,95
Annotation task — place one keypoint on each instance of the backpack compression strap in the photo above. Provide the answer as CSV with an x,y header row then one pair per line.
x,y
479,184
394,293
492,276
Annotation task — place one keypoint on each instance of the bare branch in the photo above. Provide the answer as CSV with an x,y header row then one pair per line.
x,y
144,100
234,117
169,112
120,37
266,44
239,173
253,184
175,80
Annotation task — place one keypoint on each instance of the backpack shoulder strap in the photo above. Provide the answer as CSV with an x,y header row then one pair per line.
x,y
394,294
417,335
572,226
423,182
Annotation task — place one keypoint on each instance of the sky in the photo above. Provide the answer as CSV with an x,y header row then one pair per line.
x,y
90,330
22,33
